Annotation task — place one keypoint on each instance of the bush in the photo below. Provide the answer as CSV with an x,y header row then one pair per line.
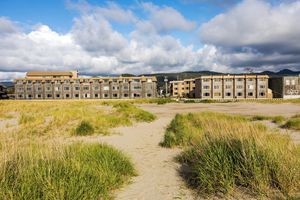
x,y
84,128
79,171
225,152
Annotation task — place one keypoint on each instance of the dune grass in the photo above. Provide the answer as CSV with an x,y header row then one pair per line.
x,y
62,117
77,171
274,119
226,152
293,122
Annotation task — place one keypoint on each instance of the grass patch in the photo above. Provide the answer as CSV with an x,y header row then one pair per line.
x,y
226,152
292,123
78,171
84,128
274,119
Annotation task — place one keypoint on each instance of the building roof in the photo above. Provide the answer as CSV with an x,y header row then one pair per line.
x,y
49,73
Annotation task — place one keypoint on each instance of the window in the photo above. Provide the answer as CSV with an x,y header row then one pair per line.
x,y
228,79
49,95
29,96
216,87
149,95
176,88
136,95
67,81
125,87
76,95
77,81
261,79
77,88
206,94
66,88
57,95
262,86
115,80
206,80
20,96
175,83
115,87
262,94
137,87
175,93
105,95
217,94
39,96
228,94
115,95
96,87
125,95
217,80
48,88
287,82
29,89
187,88
136,80
96,81
106,81
86,95
239,87
106,88
250,87
239,79
240,94
48,81
29,82
250,79
86,80
86,87
227,86
293,82
206,87
67,96
96,95
250,94
57,88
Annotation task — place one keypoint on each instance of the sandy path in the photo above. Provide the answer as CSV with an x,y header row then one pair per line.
x,y
158,177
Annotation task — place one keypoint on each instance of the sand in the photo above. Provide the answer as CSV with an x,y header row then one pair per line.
x,y
158,176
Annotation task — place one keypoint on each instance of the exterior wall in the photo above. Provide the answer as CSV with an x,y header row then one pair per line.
x,y
177,88
231,86
86,88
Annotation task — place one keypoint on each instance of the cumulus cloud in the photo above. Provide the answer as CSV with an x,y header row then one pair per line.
x,y
257,33
166,18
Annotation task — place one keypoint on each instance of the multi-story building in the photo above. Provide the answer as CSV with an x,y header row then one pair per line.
x,y
184,88
67,85
285,86
232,86
3,92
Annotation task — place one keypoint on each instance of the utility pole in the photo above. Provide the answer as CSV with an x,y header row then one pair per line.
x,y
166,84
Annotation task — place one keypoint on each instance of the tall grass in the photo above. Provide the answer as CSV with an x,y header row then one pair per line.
x,y
225,152
78,171
293,122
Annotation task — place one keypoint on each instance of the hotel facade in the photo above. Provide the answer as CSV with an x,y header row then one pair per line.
x,y
67,85
225,87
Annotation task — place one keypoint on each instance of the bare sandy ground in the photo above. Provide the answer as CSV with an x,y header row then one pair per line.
x,y
158,177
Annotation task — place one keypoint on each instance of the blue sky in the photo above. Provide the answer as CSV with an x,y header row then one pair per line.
x,y
132,36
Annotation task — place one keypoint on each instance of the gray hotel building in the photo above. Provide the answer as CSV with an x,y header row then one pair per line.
x,y
67,85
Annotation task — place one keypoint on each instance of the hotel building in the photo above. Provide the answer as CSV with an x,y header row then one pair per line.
x,y
184,88
286,87
67,85
224,87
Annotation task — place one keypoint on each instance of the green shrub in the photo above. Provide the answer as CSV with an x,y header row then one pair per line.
x,y
260,118
80,171
84,128
278,119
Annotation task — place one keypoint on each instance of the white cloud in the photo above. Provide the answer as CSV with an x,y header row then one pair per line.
x,y
166,18
94,34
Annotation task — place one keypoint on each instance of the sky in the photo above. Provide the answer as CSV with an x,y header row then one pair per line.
x,y
138,37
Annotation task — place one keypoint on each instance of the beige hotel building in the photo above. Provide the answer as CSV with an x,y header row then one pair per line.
x,y
67,85
224,87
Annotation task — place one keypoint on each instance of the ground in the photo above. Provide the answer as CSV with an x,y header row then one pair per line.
x,y
158,176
